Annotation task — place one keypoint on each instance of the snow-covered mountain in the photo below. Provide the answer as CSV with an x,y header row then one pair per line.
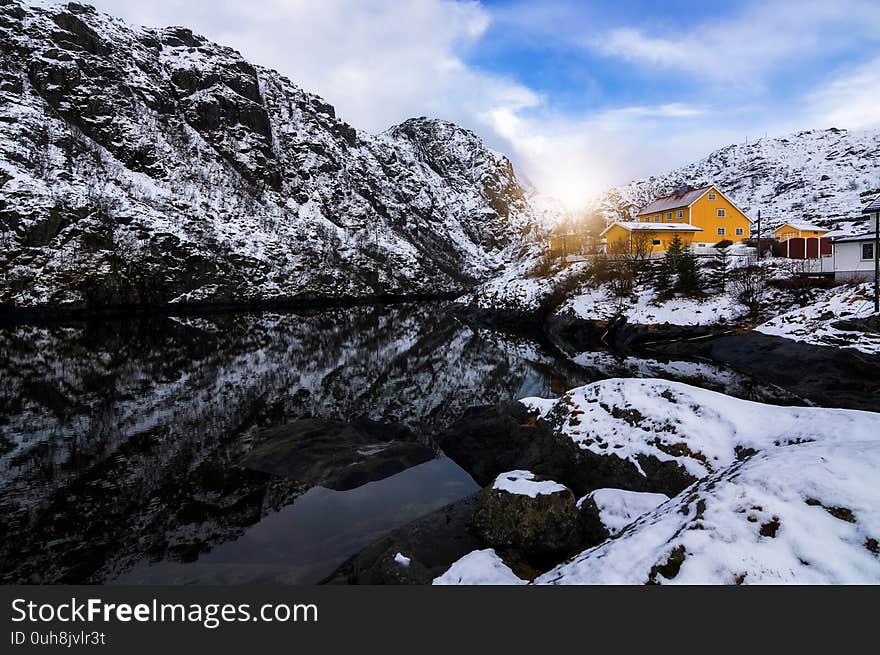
x,y
150,165
823,176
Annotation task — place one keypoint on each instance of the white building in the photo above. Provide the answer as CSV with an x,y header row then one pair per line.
x,y
854,257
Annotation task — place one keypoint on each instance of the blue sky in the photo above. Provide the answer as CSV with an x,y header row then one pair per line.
x,y
580,95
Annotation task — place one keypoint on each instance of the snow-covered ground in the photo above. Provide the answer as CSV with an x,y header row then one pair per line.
x,y
618,507
814,323
523,286
807,514
600,304
700,430
481,567
784,494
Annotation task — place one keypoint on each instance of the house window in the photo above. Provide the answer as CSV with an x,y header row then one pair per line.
x,y
711,196
668,216
656,242
680,213
867,251
656,219
722,212
740,231
721,231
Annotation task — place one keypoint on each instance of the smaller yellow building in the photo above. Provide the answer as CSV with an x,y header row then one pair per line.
x,y
639,237
798,229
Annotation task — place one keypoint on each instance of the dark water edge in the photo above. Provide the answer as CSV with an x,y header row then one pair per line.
x,y
123,442
14,315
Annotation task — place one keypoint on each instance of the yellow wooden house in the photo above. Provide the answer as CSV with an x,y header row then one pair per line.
x,y
798,229
699,217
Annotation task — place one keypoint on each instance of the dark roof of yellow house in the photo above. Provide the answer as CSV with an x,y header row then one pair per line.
x,y
674,200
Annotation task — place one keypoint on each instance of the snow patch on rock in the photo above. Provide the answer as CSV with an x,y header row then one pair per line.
x,y
480,567
618,507
523,483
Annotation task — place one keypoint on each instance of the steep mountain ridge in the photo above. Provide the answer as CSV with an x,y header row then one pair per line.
x,y
146,166
823,176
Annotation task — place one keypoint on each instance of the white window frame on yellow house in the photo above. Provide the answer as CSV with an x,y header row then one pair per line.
x,y
711,196
681,213
740,231
656,242
722,213
722,231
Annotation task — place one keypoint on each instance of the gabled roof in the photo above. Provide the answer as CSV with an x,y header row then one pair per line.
x,y
686,199
634,226
674,201
803,225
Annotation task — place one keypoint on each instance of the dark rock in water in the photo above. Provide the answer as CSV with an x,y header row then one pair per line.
x,y
573,335
864,324
338,455
432,543
490,440
831,377
540,526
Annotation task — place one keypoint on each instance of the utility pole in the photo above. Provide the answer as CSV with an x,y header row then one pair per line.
x,y
759,235
877,261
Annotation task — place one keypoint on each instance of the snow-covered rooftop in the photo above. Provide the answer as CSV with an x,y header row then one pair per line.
x,y
654,227
803,225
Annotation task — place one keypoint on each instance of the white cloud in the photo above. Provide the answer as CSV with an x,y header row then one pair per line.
x,y
851,99
748,47
377,61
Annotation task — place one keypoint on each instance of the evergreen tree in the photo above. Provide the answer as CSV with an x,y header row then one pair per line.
x,y
690,277
673,253
662,280
721,272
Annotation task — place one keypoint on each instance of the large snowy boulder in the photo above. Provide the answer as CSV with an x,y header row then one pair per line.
x,y
530,514
642,421
808,514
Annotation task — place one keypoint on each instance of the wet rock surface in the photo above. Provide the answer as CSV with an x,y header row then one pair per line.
x,y
490,440
542,526
831,377
335,454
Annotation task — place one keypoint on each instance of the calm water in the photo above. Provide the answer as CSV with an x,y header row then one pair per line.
x,y
122,444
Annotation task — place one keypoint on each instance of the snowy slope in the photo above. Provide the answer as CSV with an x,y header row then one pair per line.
x,y
808,514
822,176
783,494
151,165
702,431
815,323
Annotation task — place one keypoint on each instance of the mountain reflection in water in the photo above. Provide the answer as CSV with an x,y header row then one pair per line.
x,y
123,442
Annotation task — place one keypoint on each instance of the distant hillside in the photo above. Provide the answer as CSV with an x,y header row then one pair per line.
x,y
824,176
148,166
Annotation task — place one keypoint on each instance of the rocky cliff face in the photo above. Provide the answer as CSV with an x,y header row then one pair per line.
x,y
824,176
153,166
